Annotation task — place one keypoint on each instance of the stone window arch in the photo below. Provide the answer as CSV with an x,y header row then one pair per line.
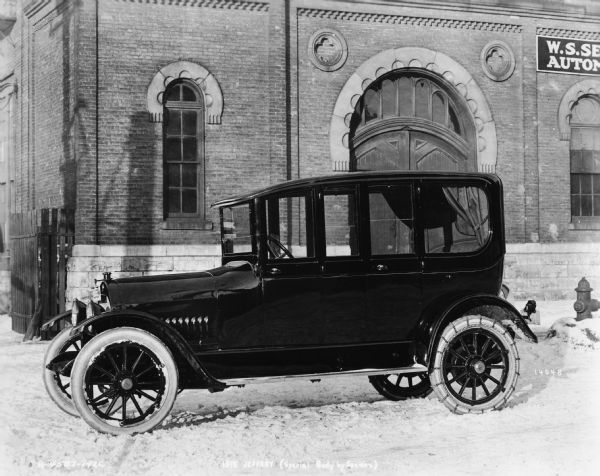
x,y
428,62
205,81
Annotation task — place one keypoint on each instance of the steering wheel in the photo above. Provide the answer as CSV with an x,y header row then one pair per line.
x,y
277,249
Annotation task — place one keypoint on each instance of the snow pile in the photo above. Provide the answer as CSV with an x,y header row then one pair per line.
x,y
584,334
339,426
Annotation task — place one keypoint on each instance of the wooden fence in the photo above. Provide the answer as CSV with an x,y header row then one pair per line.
x,y
41,241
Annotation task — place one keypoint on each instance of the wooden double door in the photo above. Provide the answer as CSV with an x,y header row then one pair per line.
x,y
410,150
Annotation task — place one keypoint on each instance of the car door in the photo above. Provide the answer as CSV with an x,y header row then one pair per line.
x,y
343,280
291,272
394,269
459,255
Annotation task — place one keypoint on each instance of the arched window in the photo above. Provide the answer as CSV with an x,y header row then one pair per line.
x,y
585,158
411,119
183,151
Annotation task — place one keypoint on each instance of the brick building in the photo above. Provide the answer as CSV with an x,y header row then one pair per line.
x,y
139,114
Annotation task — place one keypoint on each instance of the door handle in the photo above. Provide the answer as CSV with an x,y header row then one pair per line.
x,y
381,267
274,271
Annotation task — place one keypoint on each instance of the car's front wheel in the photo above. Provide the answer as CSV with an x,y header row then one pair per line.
x,y
402,386
124,381
476,365
58,383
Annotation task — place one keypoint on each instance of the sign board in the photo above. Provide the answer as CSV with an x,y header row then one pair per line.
x,y
564,55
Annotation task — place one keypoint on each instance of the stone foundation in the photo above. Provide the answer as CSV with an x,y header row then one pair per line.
x,y
550,271
89,262
532,270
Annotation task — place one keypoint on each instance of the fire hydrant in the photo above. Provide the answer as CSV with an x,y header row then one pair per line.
x,y
585,305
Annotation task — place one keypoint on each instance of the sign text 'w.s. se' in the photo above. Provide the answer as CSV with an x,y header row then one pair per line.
x,y
562,55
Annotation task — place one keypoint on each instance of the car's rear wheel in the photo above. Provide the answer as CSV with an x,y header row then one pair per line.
x,y
476,365
402,386
58,385
124,381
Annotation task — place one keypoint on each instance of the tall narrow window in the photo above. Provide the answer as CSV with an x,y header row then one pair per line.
x,y
183,151
585,159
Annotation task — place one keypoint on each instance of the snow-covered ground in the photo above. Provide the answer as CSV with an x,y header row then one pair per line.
x,y
339,426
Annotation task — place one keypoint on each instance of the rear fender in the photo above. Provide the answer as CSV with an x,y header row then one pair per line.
x,y
491,306
181,350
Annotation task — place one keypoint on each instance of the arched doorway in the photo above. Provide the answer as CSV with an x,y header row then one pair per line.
x,y
411,119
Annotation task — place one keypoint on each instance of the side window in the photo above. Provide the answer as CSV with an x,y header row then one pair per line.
x,y
341,233
585,159
456,218
391,220
183,149
289,232
236,229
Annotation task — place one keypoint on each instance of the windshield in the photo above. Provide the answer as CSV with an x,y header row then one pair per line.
x,y
236,232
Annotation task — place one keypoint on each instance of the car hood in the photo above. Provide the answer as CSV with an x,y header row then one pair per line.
x,y
236,275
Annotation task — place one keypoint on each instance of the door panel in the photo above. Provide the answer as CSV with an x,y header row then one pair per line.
x,y
291,273
394,275
343,279
387,151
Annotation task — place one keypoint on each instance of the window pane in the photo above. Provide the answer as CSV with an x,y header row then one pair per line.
x,y
188,93
173,122
586,205
422,99
454,123
388,98
173,150
405,95
438,109
174,175
173,94
189,150
340,225
575,205
189,175
586,183
456,218
189,201
390,215
174,201
371,104
597,205
596,180
574,183
236,237
287,227
189,122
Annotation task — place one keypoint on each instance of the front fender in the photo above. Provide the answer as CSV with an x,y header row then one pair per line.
x,y
488,305
178,346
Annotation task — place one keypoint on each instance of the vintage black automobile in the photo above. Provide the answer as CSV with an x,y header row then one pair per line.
x,y
395,276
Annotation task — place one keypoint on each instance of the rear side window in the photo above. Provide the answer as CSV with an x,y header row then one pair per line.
x,y
456,218
391,220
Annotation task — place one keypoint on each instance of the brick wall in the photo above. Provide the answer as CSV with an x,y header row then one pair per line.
x,y
84,75
136,40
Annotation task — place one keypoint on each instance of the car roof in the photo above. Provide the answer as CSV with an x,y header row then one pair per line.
x,y
346,178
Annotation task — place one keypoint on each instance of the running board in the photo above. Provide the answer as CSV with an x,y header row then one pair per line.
x,y
415,368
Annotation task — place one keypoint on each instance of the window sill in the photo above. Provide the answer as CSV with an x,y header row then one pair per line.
x,y
585,223
187,224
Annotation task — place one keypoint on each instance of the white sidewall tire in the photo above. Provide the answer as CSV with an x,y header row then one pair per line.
x,y
89,354
513,362
56,394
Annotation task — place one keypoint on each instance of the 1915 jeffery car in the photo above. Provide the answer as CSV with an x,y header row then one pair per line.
x,y
394,276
